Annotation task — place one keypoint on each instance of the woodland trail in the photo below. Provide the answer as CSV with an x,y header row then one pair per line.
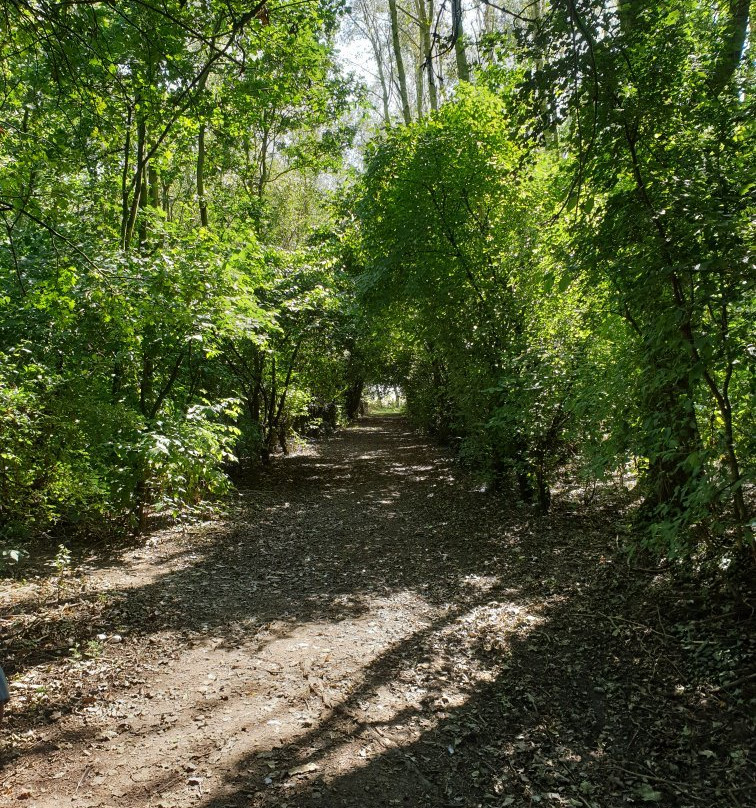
x,y
369,629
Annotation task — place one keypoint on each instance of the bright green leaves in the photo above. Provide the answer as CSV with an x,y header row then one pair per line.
x,y
435,195
147,151
568,263
451,214
550,282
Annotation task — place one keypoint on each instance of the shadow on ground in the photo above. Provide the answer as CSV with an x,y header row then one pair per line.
x,y
527,665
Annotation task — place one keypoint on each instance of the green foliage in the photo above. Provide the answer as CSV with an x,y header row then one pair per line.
x,y
160,311
180,458
497,336
555,266
663,219
562,261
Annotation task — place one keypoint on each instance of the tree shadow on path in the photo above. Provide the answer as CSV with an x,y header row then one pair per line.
x,y
408,640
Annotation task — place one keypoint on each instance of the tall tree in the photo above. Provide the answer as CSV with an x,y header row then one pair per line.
x,y
399,61
458,34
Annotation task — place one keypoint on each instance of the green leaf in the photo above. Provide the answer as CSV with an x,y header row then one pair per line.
x,y
648,794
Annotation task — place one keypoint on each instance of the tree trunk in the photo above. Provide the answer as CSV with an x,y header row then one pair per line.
x,y
419,90
671,418
143,194
384,87
400,74
201,176
458,33
733,42
128,230
154,183
353,398
125,178
426,16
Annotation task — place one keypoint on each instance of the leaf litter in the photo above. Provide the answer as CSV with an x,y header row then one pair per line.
x,y
369,628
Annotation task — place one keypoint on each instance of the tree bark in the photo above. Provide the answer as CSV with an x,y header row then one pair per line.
x,y
201,176
419,89
400,74
458,33
143,194
125,178
426,16
128,230
733,41
353,399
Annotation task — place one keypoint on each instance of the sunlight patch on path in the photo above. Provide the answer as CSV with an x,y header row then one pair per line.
x,y
389,716
300,698
218,703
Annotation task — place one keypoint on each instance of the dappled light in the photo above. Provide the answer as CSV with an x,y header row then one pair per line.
x,y
381,647
376,404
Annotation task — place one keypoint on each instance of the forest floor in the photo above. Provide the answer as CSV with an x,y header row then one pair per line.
x,y
369,628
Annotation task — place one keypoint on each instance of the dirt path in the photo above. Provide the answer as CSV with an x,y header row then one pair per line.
x,y
371,630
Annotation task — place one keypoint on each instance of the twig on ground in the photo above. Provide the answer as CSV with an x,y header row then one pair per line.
x,y
736,682
83,777
680,788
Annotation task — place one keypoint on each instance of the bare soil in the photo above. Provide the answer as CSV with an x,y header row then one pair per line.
x,y
370,628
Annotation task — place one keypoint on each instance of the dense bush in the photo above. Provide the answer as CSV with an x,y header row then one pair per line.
x,y
548,334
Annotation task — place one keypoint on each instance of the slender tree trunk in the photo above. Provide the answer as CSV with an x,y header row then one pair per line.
x,y
147,377
259,367
279,427
400,74
384,90
419,79
264,167
165,198
154,182
425,14
125,178
143,201
458,32
369,26
375,44
489,26
201,176
733,42
419,89
270,412
545,98
135,202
